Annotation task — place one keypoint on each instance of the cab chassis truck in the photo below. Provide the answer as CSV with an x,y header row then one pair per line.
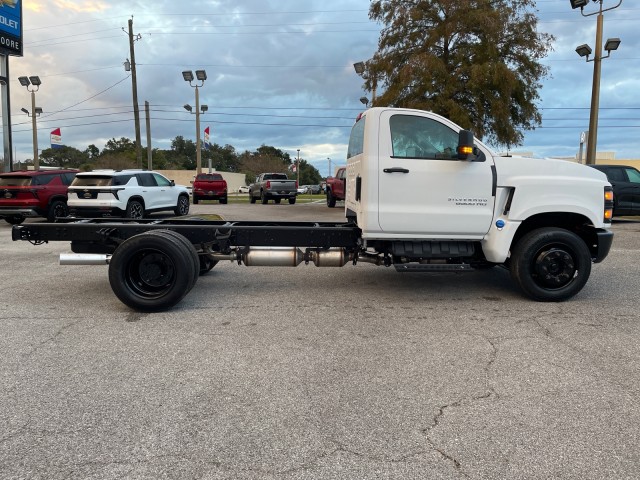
x,y
423,195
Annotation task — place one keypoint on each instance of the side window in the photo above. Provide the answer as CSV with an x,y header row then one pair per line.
x,y
356,140
161,181
43,179
615,175
421,137
146,180
633,174
121,179
68,177
341,174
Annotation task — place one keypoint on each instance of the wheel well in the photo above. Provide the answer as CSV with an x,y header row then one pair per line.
x,y
139,199
55,198
574,222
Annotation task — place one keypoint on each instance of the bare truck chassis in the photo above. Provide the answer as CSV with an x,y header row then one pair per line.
x,y
153,264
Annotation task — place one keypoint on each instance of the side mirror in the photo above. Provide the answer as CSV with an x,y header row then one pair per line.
x,y
467,149
173,183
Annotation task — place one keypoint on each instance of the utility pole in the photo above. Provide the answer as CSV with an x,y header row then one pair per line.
x,y
134,86
149,159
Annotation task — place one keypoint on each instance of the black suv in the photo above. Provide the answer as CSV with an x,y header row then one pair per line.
x,y
626,188
34,193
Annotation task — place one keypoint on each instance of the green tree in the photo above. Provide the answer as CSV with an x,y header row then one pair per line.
x,y
475,62
65,156
309,175
224,159
264,159
123,145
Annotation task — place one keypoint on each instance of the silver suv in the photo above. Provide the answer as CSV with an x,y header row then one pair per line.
x,y
128,193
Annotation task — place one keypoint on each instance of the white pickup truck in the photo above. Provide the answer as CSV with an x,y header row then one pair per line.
x,y
422,195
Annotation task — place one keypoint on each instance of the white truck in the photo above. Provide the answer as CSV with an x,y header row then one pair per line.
x,y
422,195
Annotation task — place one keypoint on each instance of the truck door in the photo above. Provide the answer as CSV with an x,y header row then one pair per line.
x,y
423,189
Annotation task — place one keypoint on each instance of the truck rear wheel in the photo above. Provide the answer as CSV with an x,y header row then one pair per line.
x,y
15,219
292,200
263,198
151,271
252,199
551,264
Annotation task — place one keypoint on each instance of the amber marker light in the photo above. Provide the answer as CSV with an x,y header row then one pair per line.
x,y
608,196
465,150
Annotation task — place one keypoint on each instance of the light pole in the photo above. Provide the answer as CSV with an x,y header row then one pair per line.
x,y
329,165
33,82
585,51
298,168
201,76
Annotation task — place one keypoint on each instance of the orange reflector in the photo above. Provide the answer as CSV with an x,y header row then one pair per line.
x,y
465,150
608,214
608,195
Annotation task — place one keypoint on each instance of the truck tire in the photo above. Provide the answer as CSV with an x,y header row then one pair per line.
x,y
135,209
263,198
292,200
223,200
190,248
252,199
331,200
57,209
550,264
182,208
195,200
151,272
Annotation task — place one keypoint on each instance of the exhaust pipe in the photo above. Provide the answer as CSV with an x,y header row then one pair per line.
x,y
84,259
293,256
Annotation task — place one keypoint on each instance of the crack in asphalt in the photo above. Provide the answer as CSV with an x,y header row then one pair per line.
x,y
52,338
437,419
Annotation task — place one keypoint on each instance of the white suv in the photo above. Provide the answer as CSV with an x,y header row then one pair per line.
x,y
128,193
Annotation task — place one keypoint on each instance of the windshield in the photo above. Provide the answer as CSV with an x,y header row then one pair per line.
x,y
11,181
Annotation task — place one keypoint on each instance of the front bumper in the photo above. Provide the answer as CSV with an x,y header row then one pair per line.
x,y
605,239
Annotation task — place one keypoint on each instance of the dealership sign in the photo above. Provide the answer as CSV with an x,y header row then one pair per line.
x,y
11,27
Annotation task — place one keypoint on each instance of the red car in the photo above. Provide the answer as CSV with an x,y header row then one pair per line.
x,y
34,193
209,186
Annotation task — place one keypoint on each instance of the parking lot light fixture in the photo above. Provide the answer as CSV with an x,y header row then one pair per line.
x,y
584,50
579,3
612,44
187,75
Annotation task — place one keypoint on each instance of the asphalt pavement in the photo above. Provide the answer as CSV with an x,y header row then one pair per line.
x,y
357,372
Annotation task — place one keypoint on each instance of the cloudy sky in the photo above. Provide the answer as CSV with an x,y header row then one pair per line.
x,y
279,73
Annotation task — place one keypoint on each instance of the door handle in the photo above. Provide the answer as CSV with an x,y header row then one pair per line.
x,y
395,170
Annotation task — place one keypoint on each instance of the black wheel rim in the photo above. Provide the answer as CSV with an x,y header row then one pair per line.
x,y
60,210
184,206
554,267
150,274
136,210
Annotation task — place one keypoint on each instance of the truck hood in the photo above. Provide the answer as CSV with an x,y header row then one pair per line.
x,y
511,169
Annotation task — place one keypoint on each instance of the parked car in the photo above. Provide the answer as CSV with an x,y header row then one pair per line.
x,y
209,186
336,187
127,193
626,188
302,189
243,189
314,189
34,193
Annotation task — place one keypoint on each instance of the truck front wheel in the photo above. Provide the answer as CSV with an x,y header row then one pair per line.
x,y
252,199
152,271
263,198
550,264
331,200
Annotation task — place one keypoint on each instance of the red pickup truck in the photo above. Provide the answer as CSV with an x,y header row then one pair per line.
x,y
209,186
336,187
